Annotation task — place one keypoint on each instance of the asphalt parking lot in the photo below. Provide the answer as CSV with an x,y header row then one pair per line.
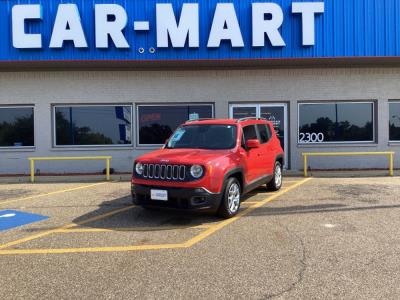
x,y
321,238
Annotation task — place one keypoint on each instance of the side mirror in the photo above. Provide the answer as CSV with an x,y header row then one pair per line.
x,y
251,144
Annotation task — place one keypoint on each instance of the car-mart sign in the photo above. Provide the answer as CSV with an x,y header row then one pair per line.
x,y
197,30
171,31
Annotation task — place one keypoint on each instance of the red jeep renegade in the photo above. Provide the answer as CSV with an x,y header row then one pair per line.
x,y
208,165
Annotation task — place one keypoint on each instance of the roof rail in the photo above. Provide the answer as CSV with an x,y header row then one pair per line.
x,y
200,119
250,118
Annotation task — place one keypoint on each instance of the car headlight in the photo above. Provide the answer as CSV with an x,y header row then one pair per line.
x,y
139,168
196,171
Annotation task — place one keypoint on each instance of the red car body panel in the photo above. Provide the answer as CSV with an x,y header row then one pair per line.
x,y
253,163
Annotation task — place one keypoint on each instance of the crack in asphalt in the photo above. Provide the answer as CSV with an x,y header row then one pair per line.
x,y
302,262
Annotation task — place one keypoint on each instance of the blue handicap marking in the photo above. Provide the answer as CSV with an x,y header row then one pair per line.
x,y
12,218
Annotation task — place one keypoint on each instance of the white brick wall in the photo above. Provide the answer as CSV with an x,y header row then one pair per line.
x,y
219,86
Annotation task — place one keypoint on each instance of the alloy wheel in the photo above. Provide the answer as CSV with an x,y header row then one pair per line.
x,y
278,176
233,198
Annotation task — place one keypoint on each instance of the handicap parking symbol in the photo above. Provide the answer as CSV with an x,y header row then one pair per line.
x,y
12,218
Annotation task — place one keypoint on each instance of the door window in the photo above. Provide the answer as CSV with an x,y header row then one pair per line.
x,y
250,133
264,133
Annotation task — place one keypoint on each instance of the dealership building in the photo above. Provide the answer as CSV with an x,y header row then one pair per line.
x,y
116,78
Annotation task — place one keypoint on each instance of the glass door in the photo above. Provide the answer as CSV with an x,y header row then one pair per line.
x,y
276,113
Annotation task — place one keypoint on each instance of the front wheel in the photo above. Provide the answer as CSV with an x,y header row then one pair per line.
x,y
231,200
276,183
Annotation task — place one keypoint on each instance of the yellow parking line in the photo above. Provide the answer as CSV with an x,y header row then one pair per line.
x,y
149,228
250,202
222,224
45,233
91,250
52,193
198,238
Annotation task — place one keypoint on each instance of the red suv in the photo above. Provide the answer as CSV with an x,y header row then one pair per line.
x,y
208,165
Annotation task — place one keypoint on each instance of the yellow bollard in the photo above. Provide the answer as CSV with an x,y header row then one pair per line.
x,y
391,164
305,165
108,169
32,163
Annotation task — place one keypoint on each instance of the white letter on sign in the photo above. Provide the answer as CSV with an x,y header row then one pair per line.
x,y
20,13
261,26
68,27
225,26
188,25
105,28
308,11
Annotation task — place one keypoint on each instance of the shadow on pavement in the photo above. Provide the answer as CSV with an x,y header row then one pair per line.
x,y
138,218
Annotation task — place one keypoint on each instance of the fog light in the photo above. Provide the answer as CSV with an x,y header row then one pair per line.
x,y
198,200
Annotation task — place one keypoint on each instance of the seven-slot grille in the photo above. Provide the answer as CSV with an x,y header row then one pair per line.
x,y
164,172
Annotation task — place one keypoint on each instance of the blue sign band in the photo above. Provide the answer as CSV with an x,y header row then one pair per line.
x,y
345,28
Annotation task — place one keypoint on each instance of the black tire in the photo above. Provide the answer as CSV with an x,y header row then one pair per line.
x,y
231,199
276,182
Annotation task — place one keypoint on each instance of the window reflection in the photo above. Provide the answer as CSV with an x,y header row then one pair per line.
x,y
394,121
16,127
157,123
276,115
244,112
93,125
336,122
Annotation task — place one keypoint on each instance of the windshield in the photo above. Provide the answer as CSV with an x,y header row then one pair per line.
x,y
204,137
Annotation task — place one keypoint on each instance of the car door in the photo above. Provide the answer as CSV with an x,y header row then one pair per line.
x,y
251,156
267,153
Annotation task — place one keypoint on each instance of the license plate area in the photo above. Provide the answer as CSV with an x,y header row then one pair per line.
x,y
159,195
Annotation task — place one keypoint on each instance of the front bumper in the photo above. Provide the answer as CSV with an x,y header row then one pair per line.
x,y
188,199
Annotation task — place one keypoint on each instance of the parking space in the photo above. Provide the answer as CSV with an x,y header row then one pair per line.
x,y
114,224
316,238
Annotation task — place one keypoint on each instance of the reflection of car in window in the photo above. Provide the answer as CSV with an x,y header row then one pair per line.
x,y
207,165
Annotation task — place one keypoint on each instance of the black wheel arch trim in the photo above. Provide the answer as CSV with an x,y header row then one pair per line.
x,y
280,157
229,174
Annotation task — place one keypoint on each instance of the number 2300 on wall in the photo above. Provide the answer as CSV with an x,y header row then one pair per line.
x,y
311,137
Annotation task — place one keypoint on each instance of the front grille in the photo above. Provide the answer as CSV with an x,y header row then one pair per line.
x,y
165,172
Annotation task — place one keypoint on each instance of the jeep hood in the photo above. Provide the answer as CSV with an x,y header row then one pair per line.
x,y
183,156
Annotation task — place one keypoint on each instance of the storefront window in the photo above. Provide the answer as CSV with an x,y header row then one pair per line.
x,y
337,122
394,121
16,127
158,122
239,112
93,125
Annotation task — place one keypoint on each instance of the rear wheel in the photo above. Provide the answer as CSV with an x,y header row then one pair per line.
x,y
276,183
231,200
